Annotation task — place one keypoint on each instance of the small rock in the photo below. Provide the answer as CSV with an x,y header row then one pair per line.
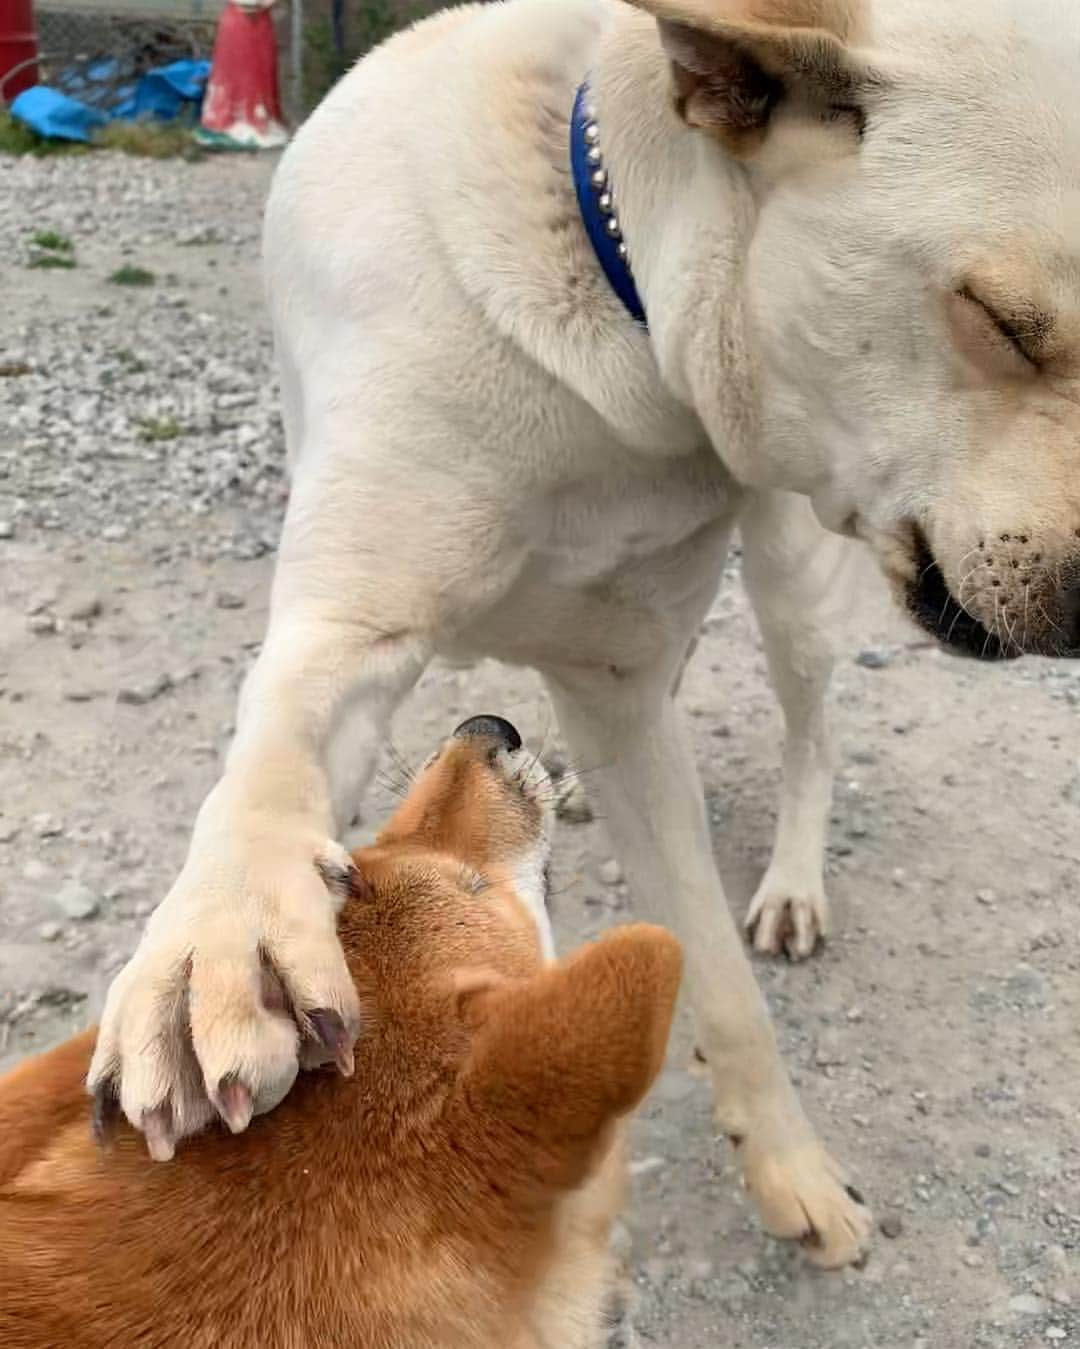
x,y
621,1243
987,897
227,600
79,695
114,533
892,1225
49,931
7,529
645,1166
554,764
43,625
85,607
1027,1304
572,805
46,826
749,1269
874,658
1056,1333
611,872
77,900
58,996
830,1052
137,695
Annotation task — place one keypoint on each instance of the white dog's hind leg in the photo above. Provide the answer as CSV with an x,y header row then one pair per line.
x,y
623,726
799,578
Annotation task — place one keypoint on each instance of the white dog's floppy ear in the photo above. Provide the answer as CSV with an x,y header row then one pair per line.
x,y
735,61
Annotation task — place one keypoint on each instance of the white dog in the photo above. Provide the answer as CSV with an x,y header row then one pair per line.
x,y
853,228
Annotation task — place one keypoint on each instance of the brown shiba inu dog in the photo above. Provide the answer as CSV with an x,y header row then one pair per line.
x,y
454,1187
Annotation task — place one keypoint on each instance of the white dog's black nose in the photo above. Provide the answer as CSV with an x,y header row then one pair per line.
x,y
491,728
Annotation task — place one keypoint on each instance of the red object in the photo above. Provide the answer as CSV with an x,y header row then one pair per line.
x,y
18,45
242,100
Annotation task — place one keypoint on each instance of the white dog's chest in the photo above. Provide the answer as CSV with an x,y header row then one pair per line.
x,y
591,533
610,560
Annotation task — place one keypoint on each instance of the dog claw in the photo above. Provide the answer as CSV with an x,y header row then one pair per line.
x,y
105,1112
157,1129
234,1104
781,925
331,1033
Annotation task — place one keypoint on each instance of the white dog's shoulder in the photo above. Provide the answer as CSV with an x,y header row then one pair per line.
x,y
430,193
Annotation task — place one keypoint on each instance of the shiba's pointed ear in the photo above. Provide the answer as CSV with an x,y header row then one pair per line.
x,y
735,61
556,1059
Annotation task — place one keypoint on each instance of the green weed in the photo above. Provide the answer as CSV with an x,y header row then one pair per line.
x,y
132,276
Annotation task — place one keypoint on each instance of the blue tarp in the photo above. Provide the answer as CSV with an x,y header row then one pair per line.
x,y
165,93
53,114
72,111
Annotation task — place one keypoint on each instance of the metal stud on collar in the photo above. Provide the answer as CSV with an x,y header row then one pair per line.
x,y
605,198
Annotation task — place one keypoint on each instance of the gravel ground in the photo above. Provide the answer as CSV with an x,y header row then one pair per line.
x,y
935,1041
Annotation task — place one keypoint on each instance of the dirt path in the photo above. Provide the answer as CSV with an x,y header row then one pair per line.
x,y
937,1040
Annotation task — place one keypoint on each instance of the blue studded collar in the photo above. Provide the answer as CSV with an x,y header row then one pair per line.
x,y
597,204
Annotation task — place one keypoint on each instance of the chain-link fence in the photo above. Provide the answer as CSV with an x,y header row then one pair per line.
x,y
318,40
119,39
102,47
336,33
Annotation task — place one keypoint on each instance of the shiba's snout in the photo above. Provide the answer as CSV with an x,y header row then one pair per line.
x,y
495,729
478,815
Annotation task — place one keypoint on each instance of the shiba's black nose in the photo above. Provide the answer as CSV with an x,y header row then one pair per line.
x,y
491,728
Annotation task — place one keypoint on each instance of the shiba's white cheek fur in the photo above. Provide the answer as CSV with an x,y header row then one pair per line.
x,y
531,888
530,870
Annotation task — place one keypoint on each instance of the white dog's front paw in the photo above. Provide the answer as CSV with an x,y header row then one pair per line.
x,y
802,1196
238,981
785,919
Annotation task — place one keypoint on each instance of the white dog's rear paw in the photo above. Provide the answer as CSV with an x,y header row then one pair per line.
x,y
787,920
802,1196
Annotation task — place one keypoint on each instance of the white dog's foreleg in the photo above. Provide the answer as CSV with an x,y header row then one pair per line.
x,y
799,579
624,728
189,1028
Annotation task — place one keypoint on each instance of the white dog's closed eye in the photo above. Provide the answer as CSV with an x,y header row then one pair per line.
x,y
996,345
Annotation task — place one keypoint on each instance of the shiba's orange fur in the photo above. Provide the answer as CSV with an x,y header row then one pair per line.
x,y
457,1191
